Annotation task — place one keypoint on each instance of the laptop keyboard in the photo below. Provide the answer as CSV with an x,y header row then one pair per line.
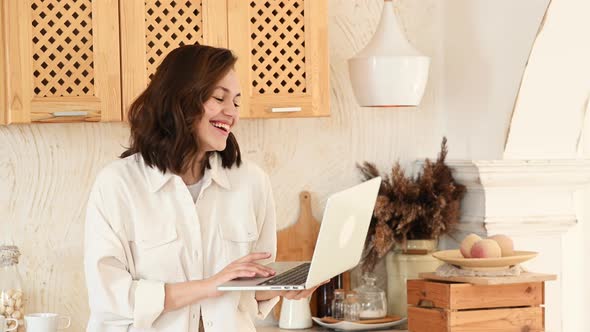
x,y
293,277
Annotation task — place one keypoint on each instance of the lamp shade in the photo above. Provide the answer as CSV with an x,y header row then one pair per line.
x,y
389,72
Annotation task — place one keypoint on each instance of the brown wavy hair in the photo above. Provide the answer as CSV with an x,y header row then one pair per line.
x,y
162,118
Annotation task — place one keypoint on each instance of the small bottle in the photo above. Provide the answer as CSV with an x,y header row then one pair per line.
x,y
352,307
11,290
338,304
325,294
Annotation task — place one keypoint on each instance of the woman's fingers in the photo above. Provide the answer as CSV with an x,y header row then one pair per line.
x,y
260,270
255,256
291,295
228,275
297,295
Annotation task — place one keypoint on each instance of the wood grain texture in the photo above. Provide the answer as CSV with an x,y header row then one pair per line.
x,y
498,320
428,294
455,296
46,174
427,320
492,320
466,296
3,63
297,242
524,277
41,66
284,62
46,170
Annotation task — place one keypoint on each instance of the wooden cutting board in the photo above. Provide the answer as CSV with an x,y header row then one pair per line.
x,y
297,242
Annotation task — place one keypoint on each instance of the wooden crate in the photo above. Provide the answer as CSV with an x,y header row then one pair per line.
x,y
440,306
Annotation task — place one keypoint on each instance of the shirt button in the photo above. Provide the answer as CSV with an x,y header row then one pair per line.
x,y
209,324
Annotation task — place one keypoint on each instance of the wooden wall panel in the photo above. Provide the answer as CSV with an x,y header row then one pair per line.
x,y
3,87
46,172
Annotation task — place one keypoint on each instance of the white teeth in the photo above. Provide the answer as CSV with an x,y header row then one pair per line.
x,y
221,125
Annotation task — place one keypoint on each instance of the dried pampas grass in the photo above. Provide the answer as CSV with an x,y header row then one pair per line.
x,y
407,208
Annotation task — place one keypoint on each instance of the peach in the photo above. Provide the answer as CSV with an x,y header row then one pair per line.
x,y
505,243
467,243
486,249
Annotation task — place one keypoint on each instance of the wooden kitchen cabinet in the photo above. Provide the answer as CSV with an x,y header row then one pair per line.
x,y
282,49
61,62
88,60
151,29
3,102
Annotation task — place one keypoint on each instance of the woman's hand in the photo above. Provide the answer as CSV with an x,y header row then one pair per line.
x,y
244,267
181,294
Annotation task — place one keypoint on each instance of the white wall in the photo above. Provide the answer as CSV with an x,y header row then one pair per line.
x,y
486,46
555,92
478,50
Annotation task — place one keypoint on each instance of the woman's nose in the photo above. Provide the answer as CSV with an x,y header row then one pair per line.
x,y
231,109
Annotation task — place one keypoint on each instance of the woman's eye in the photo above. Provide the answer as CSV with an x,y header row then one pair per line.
x,y
218,99
236,105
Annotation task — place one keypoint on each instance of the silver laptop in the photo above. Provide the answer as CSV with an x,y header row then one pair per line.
x,y
338,248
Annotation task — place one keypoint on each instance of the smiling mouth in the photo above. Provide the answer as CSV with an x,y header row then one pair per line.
x,y
222,126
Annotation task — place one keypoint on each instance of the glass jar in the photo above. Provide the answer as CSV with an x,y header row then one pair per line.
x,y
372,299
11,290
352,307
338,304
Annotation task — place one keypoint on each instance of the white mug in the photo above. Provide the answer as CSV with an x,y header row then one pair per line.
x,y
4,323
46,322
295,314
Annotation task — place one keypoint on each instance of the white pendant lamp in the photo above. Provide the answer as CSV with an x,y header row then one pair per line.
x,y
389,72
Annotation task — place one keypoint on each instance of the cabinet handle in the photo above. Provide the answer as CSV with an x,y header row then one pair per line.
x,y
285,109
72,113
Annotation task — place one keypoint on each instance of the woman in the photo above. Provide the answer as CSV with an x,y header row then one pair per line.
x,y
180,213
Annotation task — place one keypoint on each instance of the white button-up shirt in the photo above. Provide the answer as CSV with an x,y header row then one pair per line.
x,y
143,230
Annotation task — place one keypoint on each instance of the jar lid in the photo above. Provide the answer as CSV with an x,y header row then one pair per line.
x,y
9,255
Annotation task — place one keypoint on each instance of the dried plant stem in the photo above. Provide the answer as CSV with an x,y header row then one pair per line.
x,y
407,208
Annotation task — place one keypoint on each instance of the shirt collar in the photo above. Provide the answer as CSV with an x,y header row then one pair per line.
x,y
157,179
218,173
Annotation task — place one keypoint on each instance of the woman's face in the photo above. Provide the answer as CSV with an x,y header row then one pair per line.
x,y
221,114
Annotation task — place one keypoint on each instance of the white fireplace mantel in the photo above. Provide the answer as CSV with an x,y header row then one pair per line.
x,y
520,196
534,202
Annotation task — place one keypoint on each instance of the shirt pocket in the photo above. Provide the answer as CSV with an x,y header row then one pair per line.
x,y
158,252
153,236
239,237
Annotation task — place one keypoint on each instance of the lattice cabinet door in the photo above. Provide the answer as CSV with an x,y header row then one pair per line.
x,y
150,29
62,62
282,48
